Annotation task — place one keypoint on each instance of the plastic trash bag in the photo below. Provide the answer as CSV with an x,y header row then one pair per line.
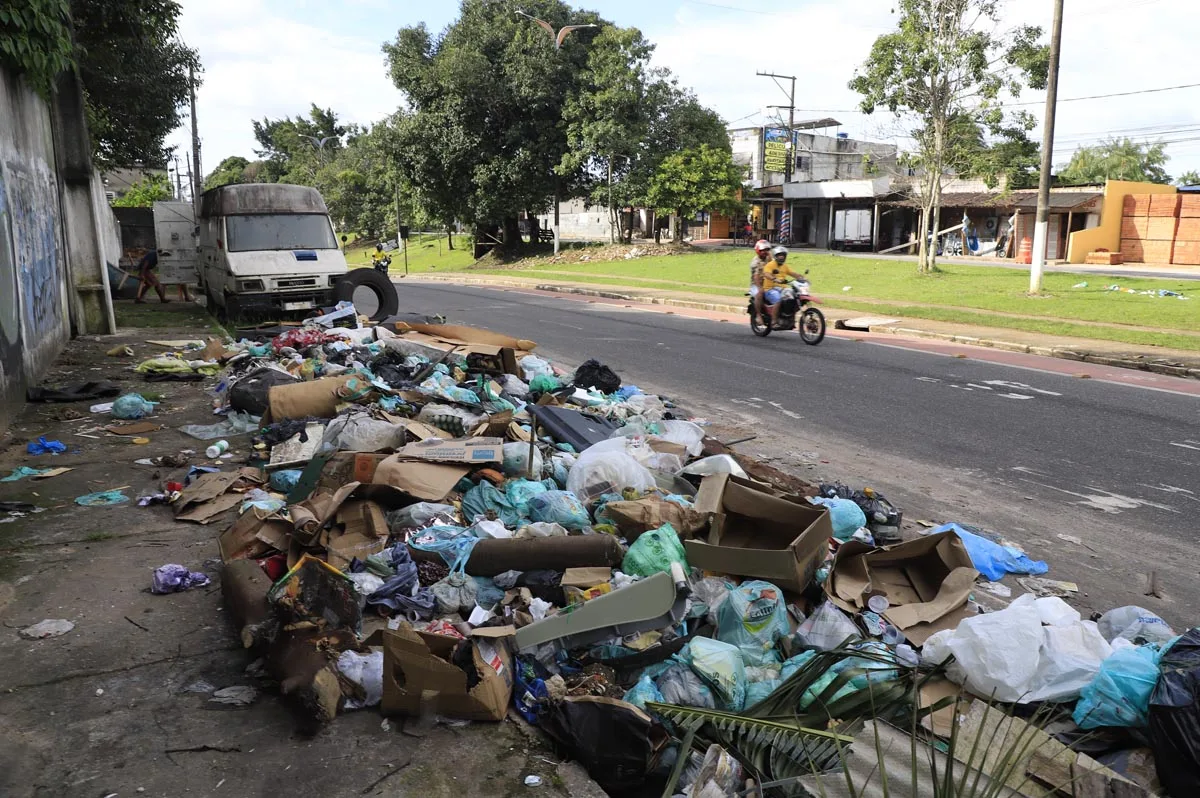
x,y
793,664
458,421
559,507
757,691
484,499
514,385
493,530
520,492
655,551
1069,659
1175,716
991,559
366,671
605,471
645,690
720,666
1120,693
533,366
516,460
43,446
846,516
717,464
419,515
285,479
541,529
105,498
827,628
131,406
754,618
172,578
487,593
708,594
1135,624
358,432
455,594
681,686
365,582
684,433
235,423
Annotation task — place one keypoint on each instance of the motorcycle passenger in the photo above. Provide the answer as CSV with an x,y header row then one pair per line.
x,y
762,256
378,257
775,275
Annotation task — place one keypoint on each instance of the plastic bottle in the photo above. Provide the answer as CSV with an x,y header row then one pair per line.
x,y
217,449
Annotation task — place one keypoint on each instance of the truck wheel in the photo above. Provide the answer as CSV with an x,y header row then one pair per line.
x,y
369,280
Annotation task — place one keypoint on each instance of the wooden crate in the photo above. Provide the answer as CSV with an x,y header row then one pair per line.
x,y
1104,258
1131,250
1134,227
1189,206
1189,229
1187,253
1164,204
1137,205
1161,228
1157,251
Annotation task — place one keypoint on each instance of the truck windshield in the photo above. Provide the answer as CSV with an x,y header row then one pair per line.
x,y
258,232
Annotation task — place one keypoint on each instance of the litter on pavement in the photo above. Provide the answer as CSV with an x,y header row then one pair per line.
x,y
432,521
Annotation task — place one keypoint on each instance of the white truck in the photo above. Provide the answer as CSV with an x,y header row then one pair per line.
x,y
852,229
267,248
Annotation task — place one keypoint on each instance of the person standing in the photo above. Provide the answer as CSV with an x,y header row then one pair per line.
x,y
148,279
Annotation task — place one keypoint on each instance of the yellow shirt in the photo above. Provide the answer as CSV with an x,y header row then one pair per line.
x,y
773,274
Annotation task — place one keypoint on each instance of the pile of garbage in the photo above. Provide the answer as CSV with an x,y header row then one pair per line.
x,y
437,523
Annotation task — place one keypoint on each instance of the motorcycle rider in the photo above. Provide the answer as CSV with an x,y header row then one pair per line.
x,y
775,275
762,256
378,258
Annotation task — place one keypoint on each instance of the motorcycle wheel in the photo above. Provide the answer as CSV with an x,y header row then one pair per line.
x,y
759,326
812,326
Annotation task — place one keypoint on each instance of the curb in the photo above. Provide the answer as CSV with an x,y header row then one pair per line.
x,y
1166,369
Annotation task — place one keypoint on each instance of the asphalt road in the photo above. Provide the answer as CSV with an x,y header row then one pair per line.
x,y
1031,454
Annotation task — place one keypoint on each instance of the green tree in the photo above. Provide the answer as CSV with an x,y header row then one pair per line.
x,y
487,99
135,76
294,149
1188,178
145,192
688,182
35,41
229,171
948,60
1117,159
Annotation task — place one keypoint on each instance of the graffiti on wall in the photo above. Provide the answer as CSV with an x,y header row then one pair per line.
x,y
35,244
10,313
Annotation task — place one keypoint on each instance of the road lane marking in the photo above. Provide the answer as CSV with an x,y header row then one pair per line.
x,y
1019,386
1187,445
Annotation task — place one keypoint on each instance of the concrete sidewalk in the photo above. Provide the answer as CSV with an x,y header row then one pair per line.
x,y
1160,360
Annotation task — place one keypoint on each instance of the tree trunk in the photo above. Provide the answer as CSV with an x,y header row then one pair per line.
x,y
512,234
678,226
449,238
923,245
629,229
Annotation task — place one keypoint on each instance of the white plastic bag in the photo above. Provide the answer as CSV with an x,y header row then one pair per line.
x,y
542,529
827,628
1069,658
998,652
1133,624
516,460
365,670
358,432
486,529
533,366
717,464
1055,612
597,473
684,433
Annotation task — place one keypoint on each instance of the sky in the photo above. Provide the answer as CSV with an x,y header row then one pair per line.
x,y
271,58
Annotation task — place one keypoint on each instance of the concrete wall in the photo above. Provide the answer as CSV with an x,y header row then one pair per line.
x,y
1108,234
34,320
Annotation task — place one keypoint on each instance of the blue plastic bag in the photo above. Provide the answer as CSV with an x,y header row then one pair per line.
x,y
991,559
757,691
720,666
559,507
43,446
286,479
520,492
644,691
1119,695
754,618
486,497
131,406
847,517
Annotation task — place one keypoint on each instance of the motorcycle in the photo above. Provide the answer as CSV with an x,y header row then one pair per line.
x,y
794,309
383,264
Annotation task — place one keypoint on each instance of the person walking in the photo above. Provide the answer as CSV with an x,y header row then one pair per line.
x,y
148,279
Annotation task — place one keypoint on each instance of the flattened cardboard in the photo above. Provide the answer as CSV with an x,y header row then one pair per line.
x,y
365,464
196,502
344,548
317,399
310,515
140,428
461,333
426,481
496,426
753,532
585,577
926,581
252,537
207,512
468,450
415,663
363,517
293,451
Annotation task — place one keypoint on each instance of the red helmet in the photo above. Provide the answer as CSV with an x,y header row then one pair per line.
x,y
763,245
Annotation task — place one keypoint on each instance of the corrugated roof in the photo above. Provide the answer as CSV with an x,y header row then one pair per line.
x,y
1024,199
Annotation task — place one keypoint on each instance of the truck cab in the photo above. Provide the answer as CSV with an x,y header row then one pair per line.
x,y
267,248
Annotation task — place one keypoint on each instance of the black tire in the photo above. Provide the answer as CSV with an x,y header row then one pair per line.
x,y
812,326
384,289
759,326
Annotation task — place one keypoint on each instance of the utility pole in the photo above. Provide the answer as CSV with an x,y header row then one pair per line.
x,y
197,172
178,180
791,106
1041,229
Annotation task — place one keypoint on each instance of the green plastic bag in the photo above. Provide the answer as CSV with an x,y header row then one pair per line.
x,y
654,551
754,618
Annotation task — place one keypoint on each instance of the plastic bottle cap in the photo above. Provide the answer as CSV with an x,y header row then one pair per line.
x,y
878,604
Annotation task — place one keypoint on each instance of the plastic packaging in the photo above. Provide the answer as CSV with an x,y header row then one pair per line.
x,y
684,433
655,551
217,449
486,498
366,671
717,464
455,594
235,423
645,690
284,480
1120,693
1135,624
516,460
681,686
1175,716
358,432
827,628
846,516
541,529
105,498
754,618
559,507
719,665
458,421
520,492
131,406
607,471
709,594
43,446
991,559
494,530
419,515
533,366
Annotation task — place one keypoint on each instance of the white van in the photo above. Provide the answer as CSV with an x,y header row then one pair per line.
x,y
267,248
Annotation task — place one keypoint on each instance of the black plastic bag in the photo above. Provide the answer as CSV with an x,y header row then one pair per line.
x,y
617,743
249,394
594,374
1175,717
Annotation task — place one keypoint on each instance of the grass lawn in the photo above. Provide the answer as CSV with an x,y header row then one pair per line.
x,y
966,294
425,254
174,314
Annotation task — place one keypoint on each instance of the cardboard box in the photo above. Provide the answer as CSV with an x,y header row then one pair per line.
x,y
498,353
1164,205
252,537
418,665
426,481
363,517
926,581
755,533
468,450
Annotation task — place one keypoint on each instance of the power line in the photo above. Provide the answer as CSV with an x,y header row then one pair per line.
x,y
1116,94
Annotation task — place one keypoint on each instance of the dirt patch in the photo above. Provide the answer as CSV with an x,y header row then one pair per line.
x,y
599,253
